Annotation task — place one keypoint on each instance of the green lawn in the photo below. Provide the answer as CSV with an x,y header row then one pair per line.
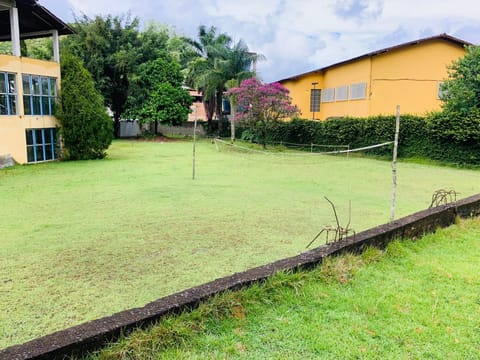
x,y
416,300
81,240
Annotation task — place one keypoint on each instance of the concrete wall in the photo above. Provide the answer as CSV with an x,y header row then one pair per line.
x,y
79,339
132,128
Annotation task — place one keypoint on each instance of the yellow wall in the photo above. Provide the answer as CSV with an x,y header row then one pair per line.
x,y
407,76
12,127
300,92
355,72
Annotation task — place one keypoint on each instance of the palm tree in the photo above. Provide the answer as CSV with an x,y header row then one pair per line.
x,y
199,71
217,63
232,65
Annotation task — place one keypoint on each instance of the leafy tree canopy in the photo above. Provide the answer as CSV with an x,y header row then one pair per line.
x,y
108,47
158,94
114,50
167,104
460,119
461,92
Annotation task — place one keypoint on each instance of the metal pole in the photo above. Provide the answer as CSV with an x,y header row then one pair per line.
x,y
394,164
194,141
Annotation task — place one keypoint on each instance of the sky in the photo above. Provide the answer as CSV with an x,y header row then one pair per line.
x,y
297,36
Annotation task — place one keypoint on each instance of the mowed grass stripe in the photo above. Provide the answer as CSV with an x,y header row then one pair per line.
x,y
416,300
81,240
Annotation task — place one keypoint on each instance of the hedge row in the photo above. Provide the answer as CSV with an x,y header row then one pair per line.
x,y
423,137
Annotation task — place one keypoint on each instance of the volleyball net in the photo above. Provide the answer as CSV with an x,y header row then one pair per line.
x,y
292,149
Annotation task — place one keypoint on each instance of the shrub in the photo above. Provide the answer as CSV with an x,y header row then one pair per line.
x,y
436,136
86,128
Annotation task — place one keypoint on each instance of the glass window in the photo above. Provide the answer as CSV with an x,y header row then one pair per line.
x,y
341,93
12,87
328,95
27,106
26,85
12,104
45,105
45,87
29,137
358,91
36,105
36,85
3,88
30,154
315,100
8,94
40,95
53,87
41,144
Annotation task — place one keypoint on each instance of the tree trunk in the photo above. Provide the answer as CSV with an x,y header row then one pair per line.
x,y
264,136
232,120
116,125
209,106
219,111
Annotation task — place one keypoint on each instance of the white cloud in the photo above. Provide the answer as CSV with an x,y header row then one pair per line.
x,y
96,7
302,35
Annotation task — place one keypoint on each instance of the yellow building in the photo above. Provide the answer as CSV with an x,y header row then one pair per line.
x,y
28,87
408,75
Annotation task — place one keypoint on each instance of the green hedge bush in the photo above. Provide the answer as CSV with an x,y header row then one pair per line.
x,y
436,136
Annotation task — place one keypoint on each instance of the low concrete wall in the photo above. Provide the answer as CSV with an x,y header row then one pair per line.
x,y
79,339
186,130
132,128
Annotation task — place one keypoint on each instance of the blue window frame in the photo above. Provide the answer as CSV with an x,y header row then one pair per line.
x,y
8,94
41,145
39,94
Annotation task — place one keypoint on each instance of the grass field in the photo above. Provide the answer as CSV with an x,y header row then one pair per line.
x,y
81,240
416,300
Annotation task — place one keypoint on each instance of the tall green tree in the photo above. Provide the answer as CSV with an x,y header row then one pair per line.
x,y
460,117
86,128
461,91
109,49
158,93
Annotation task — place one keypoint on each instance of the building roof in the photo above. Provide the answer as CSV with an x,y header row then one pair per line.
x,y
34,21
444,37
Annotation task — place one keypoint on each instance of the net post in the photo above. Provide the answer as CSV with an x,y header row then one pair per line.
x,y
394,164
194,142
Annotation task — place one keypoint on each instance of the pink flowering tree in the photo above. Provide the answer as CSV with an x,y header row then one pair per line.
x,y
259,104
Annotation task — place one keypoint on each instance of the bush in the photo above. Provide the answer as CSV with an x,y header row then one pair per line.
x,y
436,136
86,128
